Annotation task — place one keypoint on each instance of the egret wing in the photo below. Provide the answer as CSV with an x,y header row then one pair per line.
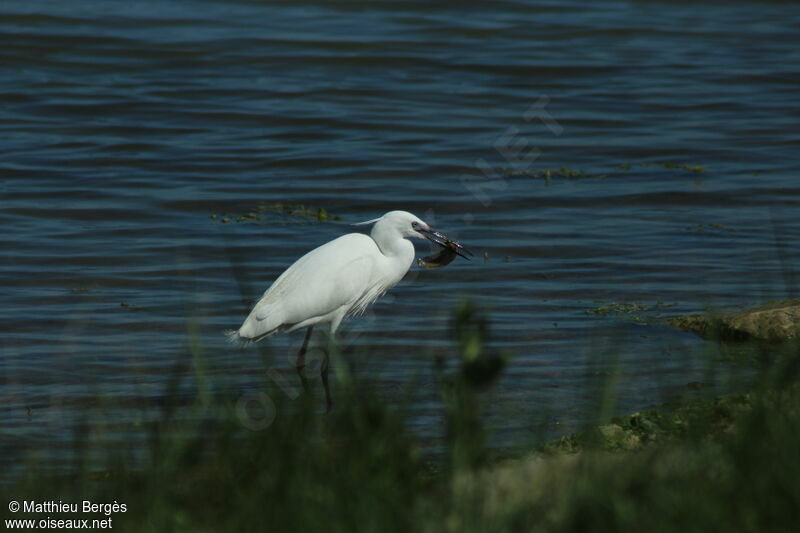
x,y
329,277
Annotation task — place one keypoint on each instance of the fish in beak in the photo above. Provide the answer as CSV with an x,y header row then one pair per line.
x,y
450,249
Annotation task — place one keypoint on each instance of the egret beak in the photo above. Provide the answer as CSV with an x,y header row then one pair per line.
x,y
440,239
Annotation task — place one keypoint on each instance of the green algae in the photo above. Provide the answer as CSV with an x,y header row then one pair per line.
x,y
296,212
81,288
638,312
550,174
669,165
567,173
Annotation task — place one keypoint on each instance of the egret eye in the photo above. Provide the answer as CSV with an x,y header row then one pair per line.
x,y
415,225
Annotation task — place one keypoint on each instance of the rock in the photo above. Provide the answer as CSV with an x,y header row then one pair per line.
x,y
774,322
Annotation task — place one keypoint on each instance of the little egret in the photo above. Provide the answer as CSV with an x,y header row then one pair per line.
x,y
340,278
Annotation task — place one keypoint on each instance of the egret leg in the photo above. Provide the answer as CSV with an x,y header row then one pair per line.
x,y
301,359
323,371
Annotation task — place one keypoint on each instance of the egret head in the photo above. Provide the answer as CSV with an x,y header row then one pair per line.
x,y
400,223
407,225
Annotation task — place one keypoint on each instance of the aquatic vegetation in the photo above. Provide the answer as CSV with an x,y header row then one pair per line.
x,y
299,212
554,173
638,312
81,288
696,169
567,173
619,308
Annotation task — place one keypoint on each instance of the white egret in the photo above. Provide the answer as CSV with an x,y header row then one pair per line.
x,y
340,278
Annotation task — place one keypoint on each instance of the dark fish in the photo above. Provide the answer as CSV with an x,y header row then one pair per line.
x,y
450,249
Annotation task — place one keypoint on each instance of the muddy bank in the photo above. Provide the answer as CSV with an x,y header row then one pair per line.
x,y
775,322
681,467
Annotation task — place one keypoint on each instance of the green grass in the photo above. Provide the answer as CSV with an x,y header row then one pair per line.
x,y
724,464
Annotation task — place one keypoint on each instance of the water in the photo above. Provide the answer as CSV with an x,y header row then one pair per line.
x,y
125,126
